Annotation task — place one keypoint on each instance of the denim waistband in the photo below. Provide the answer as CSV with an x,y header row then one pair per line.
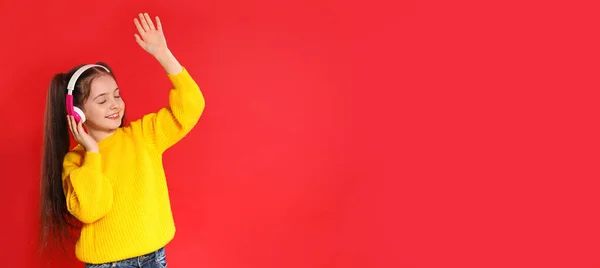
x,y
135,261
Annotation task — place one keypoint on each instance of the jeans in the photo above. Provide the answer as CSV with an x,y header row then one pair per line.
x,y
156,259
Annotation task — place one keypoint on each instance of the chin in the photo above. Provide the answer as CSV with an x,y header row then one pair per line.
x,y
112,124
116,124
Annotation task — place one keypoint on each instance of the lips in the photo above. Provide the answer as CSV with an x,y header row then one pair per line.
x,y
113,116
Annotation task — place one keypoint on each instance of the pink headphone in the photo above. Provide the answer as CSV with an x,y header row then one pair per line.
x,y
73,110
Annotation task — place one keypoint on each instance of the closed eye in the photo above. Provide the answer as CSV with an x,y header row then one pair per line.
x,y
103,94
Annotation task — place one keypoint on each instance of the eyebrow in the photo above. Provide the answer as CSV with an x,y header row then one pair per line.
x,y
104,94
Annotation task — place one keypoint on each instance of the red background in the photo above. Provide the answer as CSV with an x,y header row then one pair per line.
x,y
338,133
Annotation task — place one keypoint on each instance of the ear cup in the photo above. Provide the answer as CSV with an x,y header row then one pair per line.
x,y
79,113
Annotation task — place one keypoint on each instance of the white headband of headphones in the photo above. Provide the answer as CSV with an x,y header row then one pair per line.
x,y
78,73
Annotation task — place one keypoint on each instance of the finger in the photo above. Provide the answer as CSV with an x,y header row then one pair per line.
x,y
73,128
158,24
139,40
149,21
80,129
144,23
69,123
138,26
74,123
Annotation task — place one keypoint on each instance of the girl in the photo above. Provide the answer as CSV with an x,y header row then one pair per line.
x,y
112,184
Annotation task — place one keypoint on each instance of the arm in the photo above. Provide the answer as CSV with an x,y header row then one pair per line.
x,y
186,102
88,192
170,124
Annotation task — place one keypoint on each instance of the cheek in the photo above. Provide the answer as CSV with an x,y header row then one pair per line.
x,y
95,110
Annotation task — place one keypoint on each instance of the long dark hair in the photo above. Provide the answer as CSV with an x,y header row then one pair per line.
x,y
56,224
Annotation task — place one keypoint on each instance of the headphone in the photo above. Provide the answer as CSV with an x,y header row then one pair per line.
x,y
74,110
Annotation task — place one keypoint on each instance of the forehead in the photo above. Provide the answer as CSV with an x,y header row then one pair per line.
x,y
103,84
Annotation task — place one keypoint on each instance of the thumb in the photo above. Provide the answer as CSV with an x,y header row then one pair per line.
x,y
139,40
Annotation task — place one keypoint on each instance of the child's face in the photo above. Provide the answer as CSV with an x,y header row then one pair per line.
x,y
104,107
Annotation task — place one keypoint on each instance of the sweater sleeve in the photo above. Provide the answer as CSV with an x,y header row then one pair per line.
x,y
173,122
89,194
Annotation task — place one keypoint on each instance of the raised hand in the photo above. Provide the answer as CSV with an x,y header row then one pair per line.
x,y
150,38
81,136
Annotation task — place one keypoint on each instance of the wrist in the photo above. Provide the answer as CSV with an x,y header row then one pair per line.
x,y
163,55
168,62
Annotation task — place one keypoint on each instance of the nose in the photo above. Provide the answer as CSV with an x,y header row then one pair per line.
x,y
114,105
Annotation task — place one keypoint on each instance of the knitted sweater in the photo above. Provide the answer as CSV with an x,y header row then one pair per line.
x,y
120,193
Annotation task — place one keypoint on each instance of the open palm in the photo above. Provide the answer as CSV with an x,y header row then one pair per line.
x,y
150,38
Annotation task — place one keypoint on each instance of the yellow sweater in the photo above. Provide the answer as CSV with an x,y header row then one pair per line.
x,y
120,193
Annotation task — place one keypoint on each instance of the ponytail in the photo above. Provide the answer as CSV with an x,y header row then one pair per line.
x,y
55,221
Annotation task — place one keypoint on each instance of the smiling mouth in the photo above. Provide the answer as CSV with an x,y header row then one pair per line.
x,y
113,116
